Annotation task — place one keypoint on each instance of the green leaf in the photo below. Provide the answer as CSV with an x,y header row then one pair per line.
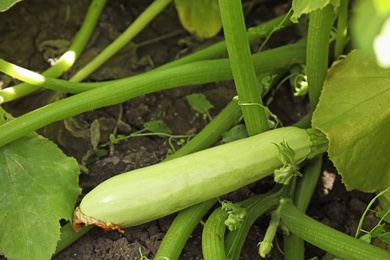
x,y
199,102
385,237
38,188
354,113
383,215
235,133
200,17
370,29
382,5
301,7
157,126
7,4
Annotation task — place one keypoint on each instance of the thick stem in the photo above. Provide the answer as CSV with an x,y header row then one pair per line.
x,y
326,238
181,229
317,51
213,236
242,67
123,90
293,245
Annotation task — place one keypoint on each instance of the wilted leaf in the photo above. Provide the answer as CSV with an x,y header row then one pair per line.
x,y
200,17
354,113
38,188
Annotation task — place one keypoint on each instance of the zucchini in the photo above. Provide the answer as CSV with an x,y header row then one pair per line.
x,y
145,194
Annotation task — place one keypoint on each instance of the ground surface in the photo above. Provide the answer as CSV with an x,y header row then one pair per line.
x,y
35,31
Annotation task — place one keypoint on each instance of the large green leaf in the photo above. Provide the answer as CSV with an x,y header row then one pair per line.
x,y
354,113
38,188
7,4
301,7
200,17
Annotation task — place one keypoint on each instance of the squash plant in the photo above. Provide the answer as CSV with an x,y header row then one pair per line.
x,y
349,120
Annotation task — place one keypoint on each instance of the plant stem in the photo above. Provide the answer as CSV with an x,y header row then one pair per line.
x,y
213,236
326,238
242,67
218,49
137,26
317,51
209,135
76,87
67,59
293,245
256,207
181,229
342,28
117,92
266,244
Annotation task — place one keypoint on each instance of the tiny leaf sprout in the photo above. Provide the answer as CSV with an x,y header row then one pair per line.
x,y
200,104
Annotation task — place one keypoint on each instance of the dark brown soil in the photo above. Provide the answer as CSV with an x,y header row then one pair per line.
x,y
34,31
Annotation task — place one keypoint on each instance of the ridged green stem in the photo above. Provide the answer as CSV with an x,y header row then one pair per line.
x,y
256,207
213,236
242,67
67,60
115,93
293,245
181,229
317,51
327,238
209,135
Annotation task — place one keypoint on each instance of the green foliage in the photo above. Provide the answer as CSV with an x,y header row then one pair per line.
x,y
7,4
200,17
236,215
301,7
289,168
199,102
38,188
235,133
354,113
382,5
379,231
39,184
157,126
370,29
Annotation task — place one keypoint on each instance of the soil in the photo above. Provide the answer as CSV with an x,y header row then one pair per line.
x,y
52,24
